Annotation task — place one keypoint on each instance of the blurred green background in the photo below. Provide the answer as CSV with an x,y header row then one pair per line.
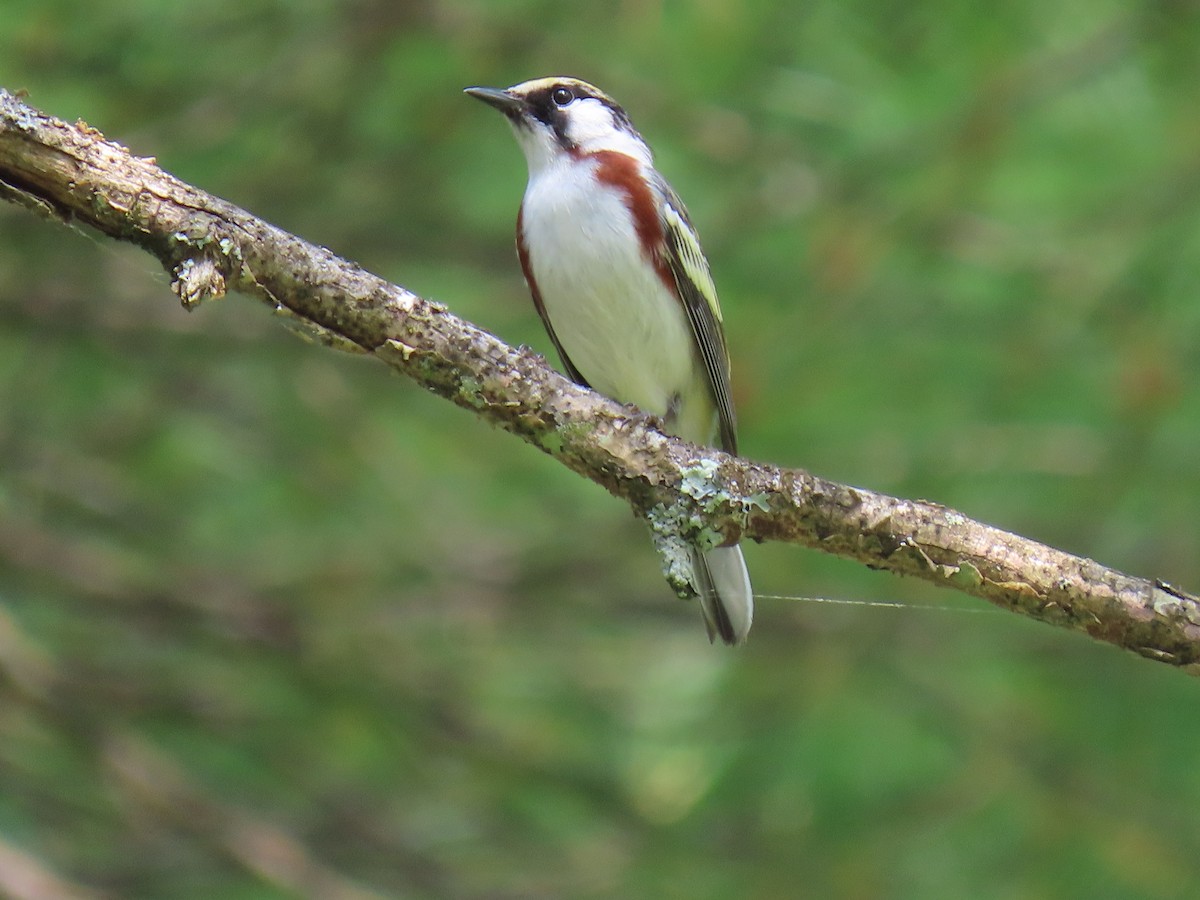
x,y
276,623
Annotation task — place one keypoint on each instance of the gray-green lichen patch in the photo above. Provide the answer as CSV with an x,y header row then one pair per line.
x,y
667,527
226,246
679,527
759,501
19,114
697,480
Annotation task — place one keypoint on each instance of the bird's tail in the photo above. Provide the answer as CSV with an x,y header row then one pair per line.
x,y
726,598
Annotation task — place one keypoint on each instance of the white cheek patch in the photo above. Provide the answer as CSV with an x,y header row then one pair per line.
x,y
591,127
588,120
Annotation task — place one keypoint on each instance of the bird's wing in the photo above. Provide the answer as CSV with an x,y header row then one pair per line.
x,y
698,294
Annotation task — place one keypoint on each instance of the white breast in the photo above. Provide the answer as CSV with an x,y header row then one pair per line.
x,y
616,320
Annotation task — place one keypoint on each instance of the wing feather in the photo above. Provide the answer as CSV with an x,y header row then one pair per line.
x,y
689,269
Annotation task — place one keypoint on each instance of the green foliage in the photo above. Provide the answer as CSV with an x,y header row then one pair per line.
x,y
273,623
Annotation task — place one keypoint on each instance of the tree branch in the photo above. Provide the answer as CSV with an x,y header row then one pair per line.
x,y
686,493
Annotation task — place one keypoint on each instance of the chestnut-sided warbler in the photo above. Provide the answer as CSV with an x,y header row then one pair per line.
x,y
623,288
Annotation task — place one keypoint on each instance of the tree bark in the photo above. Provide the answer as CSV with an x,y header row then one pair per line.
x,y
687,494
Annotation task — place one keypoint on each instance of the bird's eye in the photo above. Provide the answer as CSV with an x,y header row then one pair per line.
x,y
562,96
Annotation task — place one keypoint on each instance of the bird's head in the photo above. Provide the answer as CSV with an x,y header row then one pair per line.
x,y
556,119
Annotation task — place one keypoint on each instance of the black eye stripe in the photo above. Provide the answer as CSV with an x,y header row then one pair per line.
x,y
549,105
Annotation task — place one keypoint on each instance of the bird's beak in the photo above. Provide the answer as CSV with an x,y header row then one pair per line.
x,y
509,104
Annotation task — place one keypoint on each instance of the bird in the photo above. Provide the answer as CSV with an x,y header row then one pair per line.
x,y
624,290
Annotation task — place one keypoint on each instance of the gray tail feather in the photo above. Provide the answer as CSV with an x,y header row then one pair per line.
x,y
726,598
